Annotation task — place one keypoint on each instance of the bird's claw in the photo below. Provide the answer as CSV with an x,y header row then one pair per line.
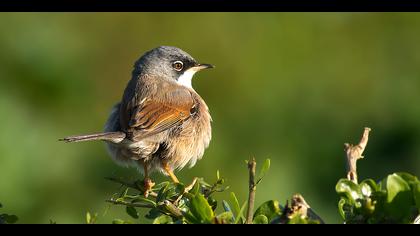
x,y
148,185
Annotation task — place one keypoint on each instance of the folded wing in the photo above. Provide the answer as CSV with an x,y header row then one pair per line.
x,y
156,114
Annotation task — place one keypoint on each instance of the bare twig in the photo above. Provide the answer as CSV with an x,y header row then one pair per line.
x,y
354,153
130,204
252,189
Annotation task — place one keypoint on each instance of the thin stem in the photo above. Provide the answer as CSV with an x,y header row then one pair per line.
x,y
252,164
130,204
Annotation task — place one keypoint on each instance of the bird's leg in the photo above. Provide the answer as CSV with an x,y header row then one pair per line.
x,y
170,172
148,183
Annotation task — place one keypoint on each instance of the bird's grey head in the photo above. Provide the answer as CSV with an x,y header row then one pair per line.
x,y
169,63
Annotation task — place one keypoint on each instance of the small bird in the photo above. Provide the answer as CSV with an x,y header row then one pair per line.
x,y
161,123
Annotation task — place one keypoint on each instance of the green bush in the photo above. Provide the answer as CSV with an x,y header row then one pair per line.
x,y
395,199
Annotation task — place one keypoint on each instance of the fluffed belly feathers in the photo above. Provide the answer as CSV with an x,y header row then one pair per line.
x,y
180,146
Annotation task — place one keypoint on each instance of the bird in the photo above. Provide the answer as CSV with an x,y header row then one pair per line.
x,y
161,123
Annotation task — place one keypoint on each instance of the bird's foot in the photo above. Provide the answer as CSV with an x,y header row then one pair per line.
x,y
148,185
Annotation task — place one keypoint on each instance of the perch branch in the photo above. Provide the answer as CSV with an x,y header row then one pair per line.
x,y
354,153
130,185
252,189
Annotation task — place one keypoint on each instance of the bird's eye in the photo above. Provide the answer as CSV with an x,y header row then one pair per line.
x,y
178,65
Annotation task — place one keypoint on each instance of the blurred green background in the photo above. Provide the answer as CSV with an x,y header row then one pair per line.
x,y
292,87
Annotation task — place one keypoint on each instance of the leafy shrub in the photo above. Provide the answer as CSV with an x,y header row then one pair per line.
x,y
395,199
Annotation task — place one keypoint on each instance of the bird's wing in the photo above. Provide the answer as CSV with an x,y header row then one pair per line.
x,y
159,113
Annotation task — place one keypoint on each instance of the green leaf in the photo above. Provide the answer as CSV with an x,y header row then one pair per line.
x,y
416,194
200,209
212,202
297,219
269,209
260,219
118,222
349,189
88,217
341,209
265,167
235,204
131,211
367,187
217,174
160,186
226,206
91,219
153,213
399,197
1,205
238,210
190,218
225,217
203,183
163,219
394,185
409,178
196,188
169,191
241,213
143,200
179,189
414,183
162,194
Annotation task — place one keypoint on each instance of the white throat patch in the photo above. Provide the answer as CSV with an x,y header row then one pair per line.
x,y
186,77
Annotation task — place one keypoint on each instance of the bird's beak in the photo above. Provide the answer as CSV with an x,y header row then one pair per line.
x,y
203,66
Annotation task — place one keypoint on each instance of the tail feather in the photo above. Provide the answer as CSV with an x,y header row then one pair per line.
x,y
115,137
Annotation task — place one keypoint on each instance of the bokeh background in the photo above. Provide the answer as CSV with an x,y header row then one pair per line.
x,y
292,87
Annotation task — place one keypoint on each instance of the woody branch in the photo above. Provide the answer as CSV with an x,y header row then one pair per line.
x,y
354,153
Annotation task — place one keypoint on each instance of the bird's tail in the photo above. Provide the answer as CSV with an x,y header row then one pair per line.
x,y
114,137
